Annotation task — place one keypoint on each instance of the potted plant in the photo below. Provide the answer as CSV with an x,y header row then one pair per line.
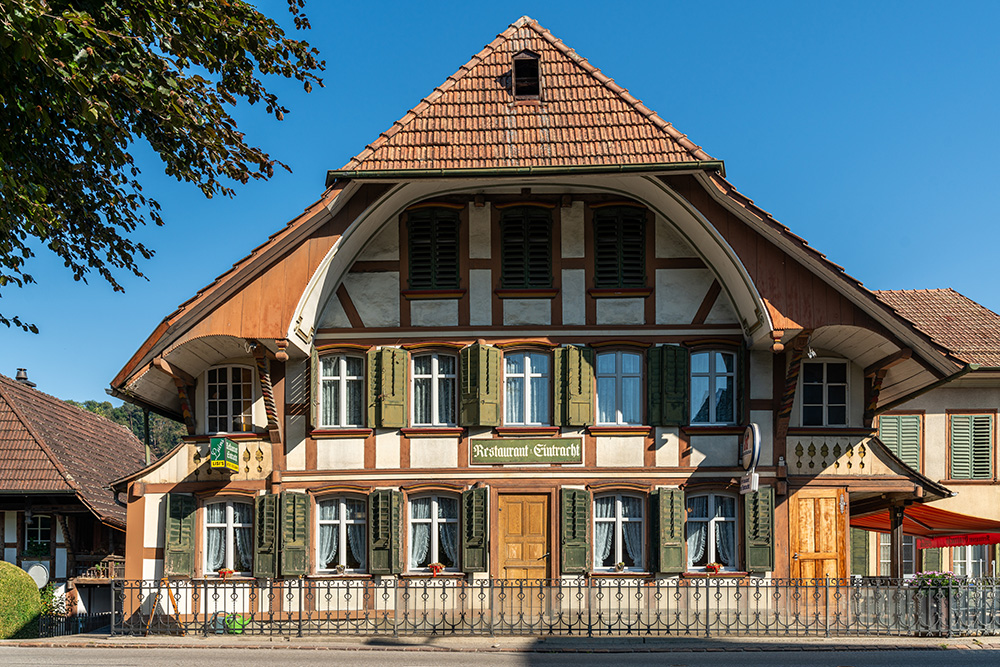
x,y
619,566
435,568
714,568
933,592
225,572
340,569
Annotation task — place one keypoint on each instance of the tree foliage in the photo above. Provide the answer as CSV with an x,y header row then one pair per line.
x,y
82,81
164,434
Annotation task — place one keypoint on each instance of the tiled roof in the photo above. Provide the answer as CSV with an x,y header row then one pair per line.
x,y
472,120
49,445
970,331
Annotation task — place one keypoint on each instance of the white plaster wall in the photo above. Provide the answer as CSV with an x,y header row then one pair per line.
x,y
340,454
60,563
434,313
384,246
386,448
574,296
722,312
621,311
10,526
765,419
295,446
480,297
620,451
375,296
761,374
479,231
60,536
714,450
152,569
333,315
667,442
669,243
434,453
527,311
571,237
154,520
679,293
176,467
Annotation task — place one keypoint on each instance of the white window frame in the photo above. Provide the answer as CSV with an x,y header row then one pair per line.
x,y
711,520
435,522
246,415
527,376
618,535
435,377
618,376
345,381
230,525
964,558
341,525
885,555
826,384
33,525
712,374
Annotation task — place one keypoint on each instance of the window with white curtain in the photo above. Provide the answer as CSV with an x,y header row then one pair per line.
x,y
618,532
434,390
526,388
229,537
433,532
619,388
342,387
342,535
229,399
970,561
885,555
711,531
713,387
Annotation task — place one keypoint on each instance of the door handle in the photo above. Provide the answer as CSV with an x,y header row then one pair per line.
x,y
795,557
544,555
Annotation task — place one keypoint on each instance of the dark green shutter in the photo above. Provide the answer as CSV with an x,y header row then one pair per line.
x,y
573,388
859,552
481,381
971,446
526,247
475,519
574,527
178,554
620,247
265,558
669,382
314,388
982,446
294,534
901,434
758,525
387,388
433,248
671,514
932,560
385,544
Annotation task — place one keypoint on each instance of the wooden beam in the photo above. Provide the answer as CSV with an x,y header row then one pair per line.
x,y
178,374
896,541
888,362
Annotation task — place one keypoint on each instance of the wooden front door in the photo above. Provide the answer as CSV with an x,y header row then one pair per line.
x,y
524,536
817,526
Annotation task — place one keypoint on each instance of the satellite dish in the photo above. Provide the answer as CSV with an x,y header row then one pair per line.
x,y
39,573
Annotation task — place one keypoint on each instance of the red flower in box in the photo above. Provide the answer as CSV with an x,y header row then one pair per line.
x,y
435,568
225,572
713,567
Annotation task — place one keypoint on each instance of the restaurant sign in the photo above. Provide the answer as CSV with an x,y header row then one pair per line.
x,y
225,453
526,450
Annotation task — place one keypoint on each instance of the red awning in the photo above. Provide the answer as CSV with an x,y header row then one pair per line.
x,y
936,527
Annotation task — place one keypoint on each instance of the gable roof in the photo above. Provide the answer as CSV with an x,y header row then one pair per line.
x,y
471,121
970,331
49,445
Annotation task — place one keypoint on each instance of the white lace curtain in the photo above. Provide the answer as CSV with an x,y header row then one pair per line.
x,y
697,538
604,531
420,533
328,541
215,551
632,530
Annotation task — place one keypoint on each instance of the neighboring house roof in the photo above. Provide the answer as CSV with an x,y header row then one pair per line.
x,y
49,445
970,331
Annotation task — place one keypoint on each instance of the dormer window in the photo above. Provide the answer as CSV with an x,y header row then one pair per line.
x,y
527,84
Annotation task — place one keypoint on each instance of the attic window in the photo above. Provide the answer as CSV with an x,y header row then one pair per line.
x,y
527,85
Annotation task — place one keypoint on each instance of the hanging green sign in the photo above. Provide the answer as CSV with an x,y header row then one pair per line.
x,y
526,450
225,453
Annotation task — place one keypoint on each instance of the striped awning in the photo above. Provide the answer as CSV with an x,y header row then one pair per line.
x,y
935,527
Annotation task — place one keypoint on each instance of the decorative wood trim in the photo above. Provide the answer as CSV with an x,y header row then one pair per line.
x,y
611,485
355,347
620,343
421,487
526,342
432,432
375,266
418,294
527,431
888,362
436,204
163,365
239,437
619,430
211,493
830,430
619,292
539,204
339,488
707,303
331,433
433,344
699,484
791,383
348,305
514,293
623,202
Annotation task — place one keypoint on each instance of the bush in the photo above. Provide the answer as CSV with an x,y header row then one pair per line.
x,y
20,603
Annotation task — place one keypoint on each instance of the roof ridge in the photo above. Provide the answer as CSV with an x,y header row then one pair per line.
x,y
67,477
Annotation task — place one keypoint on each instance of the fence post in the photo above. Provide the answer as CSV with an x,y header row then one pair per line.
x,y
493,616
708,610
826,606
113,596
301,606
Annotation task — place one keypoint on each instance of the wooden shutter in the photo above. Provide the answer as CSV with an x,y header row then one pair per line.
x,y
265,531
475,530
667,370
481,380
620,247
294,534
901,434
314,388
670,513
758,525
573,534
859,549
633,247
526,247
178,554
982,446
573,386
385,544
932,560
605,250
432,240
419,232
387,388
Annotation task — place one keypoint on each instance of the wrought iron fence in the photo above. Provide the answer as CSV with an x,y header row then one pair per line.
x,y
58,626
707,607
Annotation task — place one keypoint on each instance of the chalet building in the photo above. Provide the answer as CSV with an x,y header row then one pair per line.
x,y
526,333
59,514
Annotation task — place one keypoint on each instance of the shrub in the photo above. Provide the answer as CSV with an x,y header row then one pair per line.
x,y
20,603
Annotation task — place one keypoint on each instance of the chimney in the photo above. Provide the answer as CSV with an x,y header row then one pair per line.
x,y
22,377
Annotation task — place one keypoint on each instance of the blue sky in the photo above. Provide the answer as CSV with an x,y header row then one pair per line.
x,y
870,129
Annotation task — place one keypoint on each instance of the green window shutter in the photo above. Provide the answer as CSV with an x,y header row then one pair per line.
x,y
265,531
573,386
387,388
961,446
178,554
526,247
385,548
982,446
901,434
671,513
859,550
667,370
433,248
932,560
573,533
481,380
295,527
314,388
475,531
758,529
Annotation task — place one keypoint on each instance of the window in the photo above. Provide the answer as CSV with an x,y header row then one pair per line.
x,y
713,387
228,537
618,532
434,532
434,382
230,399
342,386
885,555
824,393
37,536
620,246
433,248
526,247
901,434
526,388
619,388
970,561
342,535
711,531
526,79
971,446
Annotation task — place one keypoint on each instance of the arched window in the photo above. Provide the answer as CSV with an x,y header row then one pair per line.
x,y
229,396
619,534
342,390
711,531
343,543
619,388
434,534
229,537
